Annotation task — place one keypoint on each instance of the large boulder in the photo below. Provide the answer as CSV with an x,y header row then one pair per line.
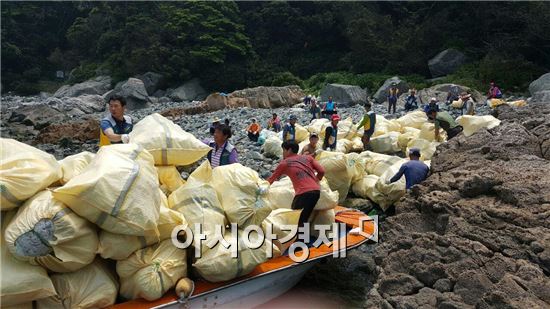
x,y
344,95
98,85
541,96
440,92
446,62
540,84
82,131
190,91
382,93
55,110
151,81
133,90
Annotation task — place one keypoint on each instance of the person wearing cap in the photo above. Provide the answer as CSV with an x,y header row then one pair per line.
x,y
468,104
214,125
116,126
289,130
311,148
305,173
222,152
433,104
393,94
253,130
329,109
415,171
274,123
368,123
331,133
445,121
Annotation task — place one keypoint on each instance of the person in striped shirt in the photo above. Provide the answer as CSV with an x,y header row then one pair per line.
x,y
223,152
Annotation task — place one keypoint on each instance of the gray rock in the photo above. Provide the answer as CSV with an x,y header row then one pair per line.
x,y
134,91
151,81
98,85
382,93
446,62
400,284
443,285
471,286
440,91
540,84
256,155
541,96
190,91
344,95
159,93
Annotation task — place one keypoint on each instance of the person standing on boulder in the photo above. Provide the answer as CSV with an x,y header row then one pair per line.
x,y
222,152
116,126
274,123
445,121
289,130
331,133
415,171
393,94
301,171
368,123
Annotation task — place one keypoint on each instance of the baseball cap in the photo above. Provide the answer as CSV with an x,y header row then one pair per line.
x,y
335,117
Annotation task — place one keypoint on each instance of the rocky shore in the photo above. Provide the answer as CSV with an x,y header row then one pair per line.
x,y
476,233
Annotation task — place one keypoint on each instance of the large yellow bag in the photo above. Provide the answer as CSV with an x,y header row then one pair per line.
x,y
167,142
45,232
272,147
472,124
118,191
281,194
356,144
24,170
301,133
94,286
377,163
343,145
384,126
518,103
365,187
404,139
120,247
238,191
75,164
495,102
151,272
217,264
281,221
169,178
386,143
427,148
346,129
385,194
319,218
427,132
413,120
341,170
198,201
21,281
318,126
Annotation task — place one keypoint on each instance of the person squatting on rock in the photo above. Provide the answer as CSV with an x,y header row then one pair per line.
x,y
214,125
222,152
289,130
468,104
368,123
433,104
415,171
445,121
253,130
411,102
393,94
311,148
329,109
301,171
331,133
116,126
494,92
274,123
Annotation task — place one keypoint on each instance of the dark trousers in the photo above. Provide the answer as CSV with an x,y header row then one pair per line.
x,y
305,201
392,102
454,132
253,137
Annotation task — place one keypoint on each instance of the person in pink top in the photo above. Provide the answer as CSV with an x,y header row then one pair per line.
x,y
301,169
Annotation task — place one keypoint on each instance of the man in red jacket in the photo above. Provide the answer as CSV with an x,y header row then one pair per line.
x,y
301,170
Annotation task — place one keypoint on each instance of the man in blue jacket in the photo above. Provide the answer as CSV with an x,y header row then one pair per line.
x,y
415,171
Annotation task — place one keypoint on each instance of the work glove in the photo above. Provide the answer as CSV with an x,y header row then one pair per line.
x,y
125,138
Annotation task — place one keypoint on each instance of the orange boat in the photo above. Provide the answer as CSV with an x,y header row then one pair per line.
x,y
269,279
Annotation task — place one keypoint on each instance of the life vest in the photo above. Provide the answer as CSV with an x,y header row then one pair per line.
x,y
103,139
330,106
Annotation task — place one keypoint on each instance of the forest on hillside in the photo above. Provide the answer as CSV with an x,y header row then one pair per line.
x,y
233,45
